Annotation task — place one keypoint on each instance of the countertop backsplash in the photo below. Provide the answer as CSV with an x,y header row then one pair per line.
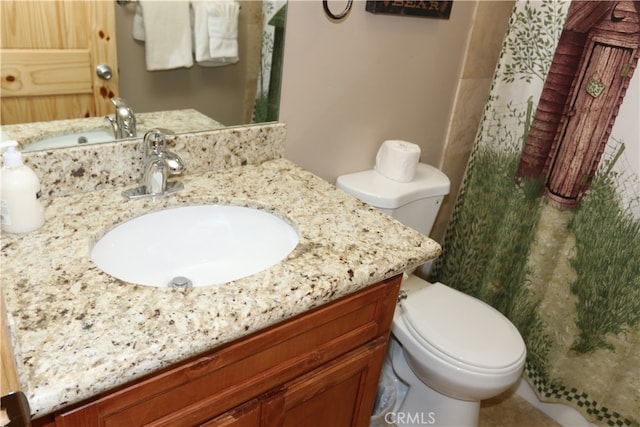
x,y
118,164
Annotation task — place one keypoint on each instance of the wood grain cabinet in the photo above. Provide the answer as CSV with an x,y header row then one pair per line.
x,y
320,368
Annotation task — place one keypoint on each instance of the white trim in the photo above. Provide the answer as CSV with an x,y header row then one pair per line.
x,y
562,414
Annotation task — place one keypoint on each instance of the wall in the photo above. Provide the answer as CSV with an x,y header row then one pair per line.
x,y
489,27
349,86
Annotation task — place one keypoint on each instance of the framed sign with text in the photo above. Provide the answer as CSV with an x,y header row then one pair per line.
x,y
432,9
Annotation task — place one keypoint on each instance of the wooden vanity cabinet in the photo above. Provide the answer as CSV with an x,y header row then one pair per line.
x,y
320,368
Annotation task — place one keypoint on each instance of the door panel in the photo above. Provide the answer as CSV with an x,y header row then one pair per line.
x,y
45,72
49,53
341,393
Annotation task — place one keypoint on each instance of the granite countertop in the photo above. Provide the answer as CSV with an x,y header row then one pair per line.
x,y
77,331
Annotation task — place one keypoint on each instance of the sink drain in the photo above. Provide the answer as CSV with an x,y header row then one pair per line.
x,y
180,282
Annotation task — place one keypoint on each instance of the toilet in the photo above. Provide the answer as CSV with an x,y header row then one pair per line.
x,y
450,349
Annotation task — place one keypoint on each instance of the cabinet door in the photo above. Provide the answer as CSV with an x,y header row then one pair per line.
x,y
339,394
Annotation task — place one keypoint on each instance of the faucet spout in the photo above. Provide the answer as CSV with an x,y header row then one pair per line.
x,y
154,177
114,126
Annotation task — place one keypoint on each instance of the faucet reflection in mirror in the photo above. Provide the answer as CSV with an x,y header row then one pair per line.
x,y
39,136
158,165
124,121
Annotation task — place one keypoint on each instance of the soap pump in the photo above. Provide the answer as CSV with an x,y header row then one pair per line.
x,y
20,207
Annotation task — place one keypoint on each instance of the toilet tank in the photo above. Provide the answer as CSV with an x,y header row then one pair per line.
x,y
415,204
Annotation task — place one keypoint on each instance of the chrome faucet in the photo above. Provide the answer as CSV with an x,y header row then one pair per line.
x,y
158,165
124,121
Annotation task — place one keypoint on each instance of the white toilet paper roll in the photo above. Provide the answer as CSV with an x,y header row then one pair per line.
x,y
398,160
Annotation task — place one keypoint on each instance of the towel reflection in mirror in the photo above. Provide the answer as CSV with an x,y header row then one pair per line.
x,y
176,32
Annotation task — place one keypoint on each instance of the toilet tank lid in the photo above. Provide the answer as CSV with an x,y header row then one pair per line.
x,y
381,192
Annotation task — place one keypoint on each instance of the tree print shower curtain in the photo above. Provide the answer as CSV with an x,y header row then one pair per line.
x,y
267,102
546,226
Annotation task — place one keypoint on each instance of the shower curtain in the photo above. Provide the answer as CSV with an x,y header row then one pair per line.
x,y
566,274
267,102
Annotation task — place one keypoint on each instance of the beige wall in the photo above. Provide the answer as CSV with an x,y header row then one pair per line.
x,y
349,86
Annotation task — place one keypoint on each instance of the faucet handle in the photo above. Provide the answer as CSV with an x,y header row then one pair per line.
x,y
154,140
118,102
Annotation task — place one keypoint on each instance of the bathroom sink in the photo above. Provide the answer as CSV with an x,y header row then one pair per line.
x,y
194,246
73,139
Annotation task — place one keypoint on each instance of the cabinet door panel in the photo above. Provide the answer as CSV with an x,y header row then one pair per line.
x,y
339,394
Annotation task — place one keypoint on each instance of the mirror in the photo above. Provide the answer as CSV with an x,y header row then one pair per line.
x,y
237,94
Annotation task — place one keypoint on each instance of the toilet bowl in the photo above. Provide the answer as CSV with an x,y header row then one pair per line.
x,y
453,351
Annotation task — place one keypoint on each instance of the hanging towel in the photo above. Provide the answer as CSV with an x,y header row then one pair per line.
x,y
215,32
138,24
165,28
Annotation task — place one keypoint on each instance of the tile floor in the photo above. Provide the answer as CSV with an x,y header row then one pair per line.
x,y
511,410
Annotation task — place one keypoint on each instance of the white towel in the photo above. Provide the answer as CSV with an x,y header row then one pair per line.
x,y
138,24
215,32
165,28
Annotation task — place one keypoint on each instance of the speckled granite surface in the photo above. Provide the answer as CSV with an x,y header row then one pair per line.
x,y
179,121
90,168
78,331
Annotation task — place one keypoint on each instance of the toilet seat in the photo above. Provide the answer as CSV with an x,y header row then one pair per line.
x,y
461,329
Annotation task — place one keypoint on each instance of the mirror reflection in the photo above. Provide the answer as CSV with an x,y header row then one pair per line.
x,y
40,87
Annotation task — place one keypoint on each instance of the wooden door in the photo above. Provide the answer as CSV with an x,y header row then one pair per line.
x,y
581,147
49,51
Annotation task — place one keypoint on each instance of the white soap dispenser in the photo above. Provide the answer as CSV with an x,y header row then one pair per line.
x,y
20,207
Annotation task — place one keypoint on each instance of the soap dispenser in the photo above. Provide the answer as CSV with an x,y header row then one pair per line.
x,y
20,207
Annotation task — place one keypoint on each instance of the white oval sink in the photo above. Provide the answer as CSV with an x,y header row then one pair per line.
x,y
209,245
